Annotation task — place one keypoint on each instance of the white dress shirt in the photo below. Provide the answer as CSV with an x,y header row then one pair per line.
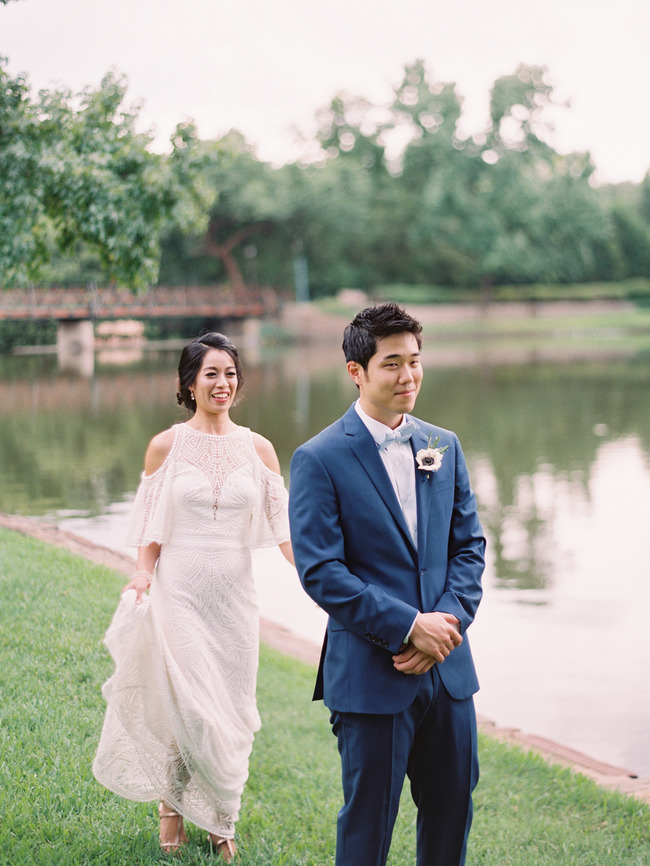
x,y
397,457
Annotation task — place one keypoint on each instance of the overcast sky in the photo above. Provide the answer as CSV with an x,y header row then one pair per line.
x,y
265,68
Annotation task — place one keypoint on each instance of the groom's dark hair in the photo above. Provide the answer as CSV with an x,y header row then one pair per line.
x,y
374,323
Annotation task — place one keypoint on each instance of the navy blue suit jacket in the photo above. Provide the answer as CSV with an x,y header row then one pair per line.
x,y
356,559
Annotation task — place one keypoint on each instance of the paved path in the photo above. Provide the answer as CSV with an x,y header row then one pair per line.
x,y
280,638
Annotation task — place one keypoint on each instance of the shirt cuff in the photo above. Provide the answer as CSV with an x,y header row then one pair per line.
x,y
408,636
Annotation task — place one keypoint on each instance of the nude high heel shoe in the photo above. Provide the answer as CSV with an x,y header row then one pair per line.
x,y
165,813
223,846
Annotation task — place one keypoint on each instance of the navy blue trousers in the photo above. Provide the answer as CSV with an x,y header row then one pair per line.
x,y
434,743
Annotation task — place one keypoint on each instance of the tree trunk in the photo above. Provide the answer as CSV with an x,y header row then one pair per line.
x,y
223,250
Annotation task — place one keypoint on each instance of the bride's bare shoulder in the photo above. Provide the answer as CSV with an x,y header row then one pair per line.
x,y
266,452
158,450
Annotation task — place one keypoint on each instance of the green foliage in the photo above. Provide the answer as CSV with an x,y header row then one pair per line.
x,y
346,129
74,170
403,293
644,204
544,229
633,237
56,607
28,333
332,229
389,194
466,213
637,290
22,220
246,201
77,265
517,106
430,110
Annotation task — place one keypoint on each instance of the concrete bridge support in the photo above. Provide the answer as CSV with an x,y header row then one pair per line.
x,y
75,346
251,338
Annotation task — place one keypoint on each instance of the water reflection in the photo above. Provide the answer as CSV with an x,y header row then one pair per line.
x,y
534,435
559,456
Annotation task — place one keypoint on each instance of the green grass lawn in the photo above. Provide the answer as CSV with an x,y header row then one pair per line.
x,y
580,328
54,609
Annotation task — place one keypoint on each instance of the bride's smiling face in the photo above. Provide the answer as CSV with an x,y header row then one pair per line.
x,y
215,385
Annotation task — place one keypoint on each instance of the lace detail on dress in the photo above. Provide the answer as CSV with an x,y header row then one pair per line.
x,y
270,522
181,714
150,515
214,456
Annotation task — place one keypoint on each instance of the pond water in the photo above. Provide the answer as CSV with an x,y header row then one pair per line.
x,y
559,455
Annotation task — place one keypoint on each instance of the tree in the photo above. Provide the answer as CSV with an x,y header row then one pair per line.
x,y
22,219
427,113
502,207
250,201
339,210
421,210
519,112
73,168
644,205
633,239
350,128
244,207
331,224
544,222
398,148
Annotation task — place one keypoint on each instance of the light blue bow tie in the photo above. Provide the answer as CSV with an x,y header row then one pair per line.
x,y
402,435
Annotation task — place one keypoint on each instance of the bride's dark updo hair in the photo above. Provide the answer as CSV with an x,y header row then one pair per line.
x,y
191,361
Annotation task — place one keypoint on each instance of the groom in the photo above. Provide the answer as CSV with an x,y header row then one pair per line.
x,y
387,541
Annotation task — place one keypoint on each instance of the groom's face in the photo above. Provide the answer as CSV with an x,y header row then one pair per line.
x,y
391,384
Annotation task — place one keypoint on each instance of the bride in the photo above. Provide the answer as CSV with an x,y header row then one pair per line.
x,y
181,710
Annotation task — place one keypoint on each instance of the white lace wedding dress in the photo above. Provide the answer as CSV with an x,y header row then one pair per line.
x,y
181,712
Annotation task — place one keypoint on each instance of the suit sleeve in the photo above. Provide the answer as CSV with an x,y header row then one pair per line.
x,y
318,541
466,551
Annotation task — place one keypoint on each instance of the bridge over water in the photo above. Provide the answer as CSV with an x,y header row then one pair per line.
x,y
78,309
79,304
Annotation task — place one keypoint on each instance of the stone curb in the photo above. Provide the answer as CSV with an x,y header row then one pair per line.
x,y
280,638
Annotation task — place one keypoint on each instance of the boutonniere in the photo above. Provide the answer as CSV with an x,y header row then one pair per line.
x,y
430,458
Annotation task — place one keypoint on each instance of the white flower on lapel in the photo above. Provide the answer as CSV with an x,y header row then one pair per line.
x,y
430,458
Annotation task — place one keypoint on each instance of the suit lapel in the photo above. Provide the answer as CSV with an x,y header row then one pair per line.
x,y
367,453
422,493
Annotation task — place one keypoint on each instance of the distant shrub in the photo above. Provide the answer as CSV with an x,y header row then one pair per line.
x,y
636,289
26,333
402,293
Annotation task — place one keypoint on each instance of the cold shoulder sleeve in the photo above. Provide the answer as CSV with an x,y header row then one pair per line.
x,y
152,510
270,520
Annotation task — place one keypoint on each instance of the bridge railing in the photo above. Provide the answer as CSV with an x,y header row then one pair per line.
x,y
159,302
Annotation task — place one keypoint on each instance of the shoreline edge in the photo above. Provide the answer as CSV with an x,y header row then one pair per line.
x,y
280,638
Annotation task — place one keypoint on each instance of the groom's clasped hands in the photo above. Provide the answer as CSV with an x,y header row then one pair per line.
x,y
433,637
